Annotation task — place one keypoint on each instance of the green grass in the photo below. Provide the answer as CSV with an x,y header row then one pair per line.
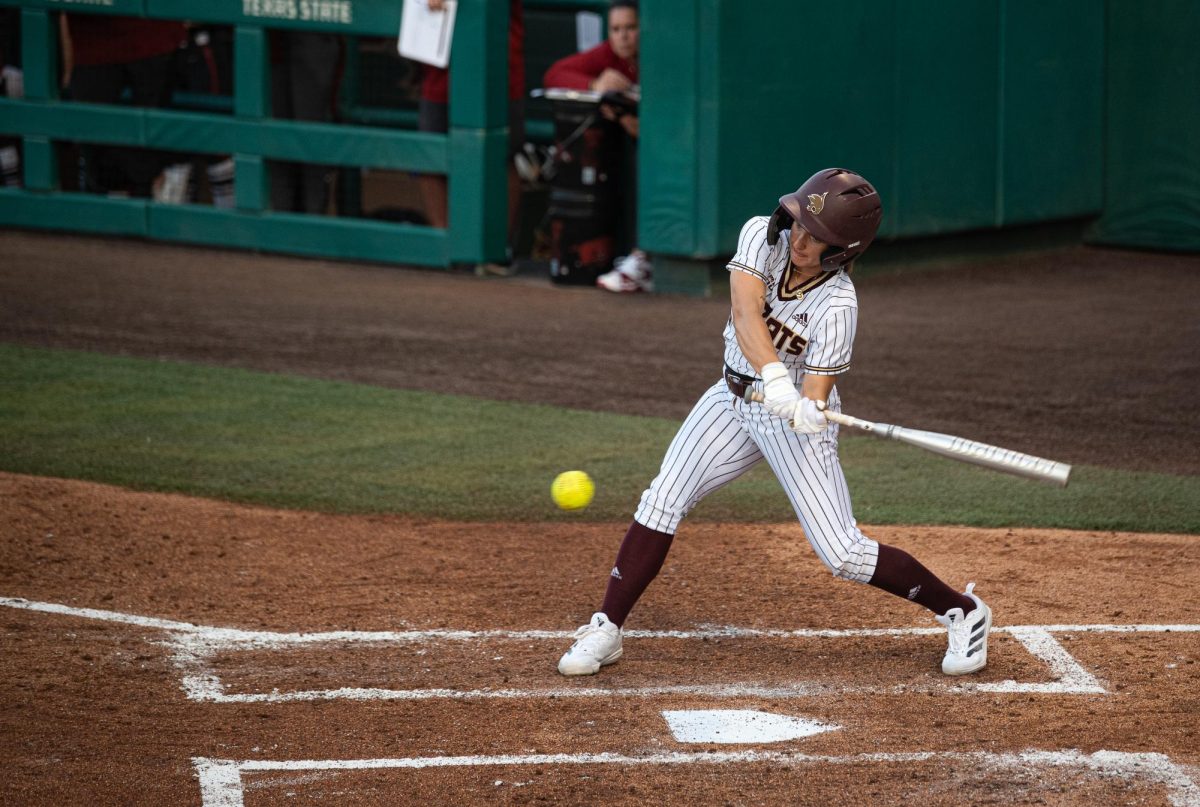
x,y
300,443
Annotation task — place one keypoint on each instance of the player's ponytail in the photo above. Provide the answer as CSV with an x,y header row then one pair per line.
x,y
780,220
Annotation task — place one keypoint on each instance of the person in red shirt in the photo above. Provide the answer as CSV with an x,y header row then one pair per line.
x,y
434,116
610,66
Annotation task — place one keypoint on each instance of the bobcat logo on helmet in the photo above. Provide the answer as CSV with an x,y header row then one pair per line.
x,y
816,203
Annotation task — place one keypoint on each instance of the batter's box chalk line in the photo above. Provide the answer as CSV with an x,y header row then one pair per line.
x,y
193,647
221,782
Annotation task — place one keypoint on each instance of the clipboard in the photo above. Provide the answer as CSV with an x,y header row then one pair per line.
x,y
425,35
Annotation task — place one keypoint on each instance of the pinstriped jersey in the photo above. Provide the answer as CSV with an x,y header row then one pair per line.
x,y
811,323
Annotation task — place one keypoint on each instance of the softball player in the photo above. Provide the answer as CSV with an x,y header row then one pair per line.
x,y
790,334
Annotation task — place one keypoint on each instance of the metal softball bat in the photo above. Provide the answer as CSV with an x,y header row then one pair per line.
x,y
956,448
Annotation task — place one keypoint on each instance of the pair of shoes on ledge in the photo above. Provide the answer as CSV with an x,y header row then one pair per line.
x,y
630,274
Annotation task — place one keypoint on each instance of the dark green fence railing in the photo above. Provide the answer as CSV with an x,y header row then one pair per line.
x,y
472,154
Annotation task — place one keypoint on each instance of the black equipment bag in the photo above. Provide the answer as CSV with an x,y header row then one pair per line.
x,y
583,205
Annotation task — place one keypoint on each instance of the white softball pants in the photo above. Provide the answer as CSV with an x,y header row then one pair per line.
x,y
724,437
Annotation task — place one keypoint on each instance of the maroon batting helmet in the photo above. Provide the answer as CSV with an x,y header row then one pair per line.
x,y
839,208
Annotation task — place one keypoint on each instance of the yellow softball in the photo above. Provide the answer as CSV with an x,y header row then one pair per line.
x,y
572,490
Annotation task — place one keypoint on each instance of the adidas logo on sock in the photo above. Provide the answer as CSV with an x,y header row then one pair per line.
x,y
616,573
914,591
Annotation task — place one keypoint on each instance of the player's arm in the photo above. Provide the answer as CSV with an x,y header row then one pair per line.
x,y
579,71
817,387
749,297
748,294
830,345
827,357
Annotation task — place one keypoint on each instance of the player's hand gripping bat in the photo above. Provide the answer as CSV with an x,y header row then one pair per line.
x,y
994,457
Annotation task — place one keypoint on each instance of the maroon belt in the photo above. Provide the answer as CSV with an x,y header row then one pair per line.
x,y
738,383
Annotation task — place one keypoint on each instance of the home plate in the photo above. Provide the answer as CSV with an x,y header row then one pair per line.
x,y
740,726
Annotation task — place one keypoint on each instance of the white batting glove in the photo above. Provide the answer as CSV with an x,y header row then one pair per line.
x,y
779,393
809,417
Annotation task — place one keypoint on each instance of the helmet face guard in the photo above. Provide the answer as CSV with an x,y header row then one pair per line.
x,y
837,207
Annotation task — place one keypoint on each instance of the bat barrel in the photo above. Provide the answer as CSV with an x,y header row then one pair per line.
x,y
988,456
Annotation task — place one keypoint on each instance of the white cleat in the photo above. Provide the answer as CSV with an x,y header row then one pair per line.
x,y
632,273
597,643
968,637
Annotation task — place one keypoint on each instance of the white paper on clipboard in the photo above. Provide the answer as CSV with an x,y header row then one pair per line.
x,y
425,35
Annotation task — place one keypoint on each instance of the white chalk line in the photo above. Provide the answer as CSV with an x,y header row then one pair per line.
x,y
1069,675
212,691
200,683
194,645
271,638
221,779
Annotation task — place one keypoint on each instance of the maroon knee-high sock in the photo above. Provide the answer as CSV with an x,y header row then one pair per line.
x,y
638,560
899,573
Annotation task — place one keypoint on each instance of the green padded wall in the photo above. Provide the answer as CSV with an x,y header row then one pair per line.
x,y
1051,113
965,115
1152,160
946,75
673,79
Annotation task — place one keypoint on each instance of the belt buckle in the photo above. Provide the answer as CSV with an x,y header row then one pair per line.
x,y
736,385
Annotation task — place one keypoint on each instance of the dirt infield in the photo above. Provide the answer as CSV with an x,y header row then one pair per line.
x,y
149,698
166,650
